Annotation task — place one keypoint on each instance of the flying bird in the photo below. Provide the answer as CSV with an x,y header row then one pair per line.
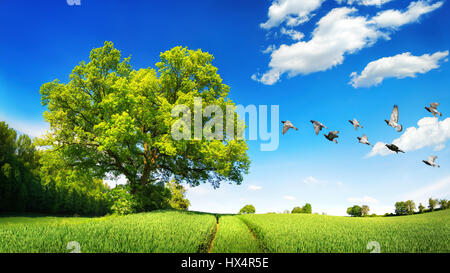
x,y
433,109
355,123
288,125
318,126
393,122
394,148
430,161
332,135
364,140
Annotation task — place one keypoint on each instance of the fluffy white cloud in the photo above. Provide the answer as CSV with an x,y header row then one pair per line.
x,y
338,33
289,197
295,35
254,188
396,18
365,2
362,200
293,12
310,180
398,66
430,132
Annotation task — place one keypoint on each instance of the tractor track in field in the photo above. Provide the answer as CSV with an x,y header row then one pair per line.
x,y
261,247
211,245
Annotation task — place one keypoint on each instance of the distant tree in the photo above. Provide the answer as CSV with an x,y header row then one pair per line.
x,y
421,208
177,192
443,203
350,211
247,209
297,210
410,206
400,208
286,211
432,203
355,211
307,208
365,210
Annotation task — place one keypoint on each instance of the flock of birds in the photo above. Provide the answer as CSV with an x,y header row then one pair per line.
x,y
392,122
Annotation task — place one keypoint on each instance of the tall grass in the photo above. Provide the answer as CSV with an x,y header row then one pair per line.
x,y
319,233
188,232
155,232
233,236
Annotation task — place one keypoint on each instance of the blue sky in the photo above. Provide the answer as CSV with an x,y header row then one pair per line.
x,y
328,40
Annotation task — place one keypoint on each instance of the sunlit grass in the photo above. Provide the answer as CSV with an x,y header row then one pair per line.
x,y
428,232
189,232
155,232
233,236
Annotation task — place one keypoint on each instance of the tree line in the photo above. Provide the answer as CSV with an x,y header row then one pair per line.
x,y
402,208
250,209
409,207
40,181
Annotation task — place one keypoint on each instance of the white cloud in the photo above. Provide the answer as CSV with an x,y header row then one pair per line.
x,y
439,189
361,200
289,197
430,132
269,49
338,33
399,66
295,35
293,12
395,18
254,188
365,2
310,180
379,149
340,184
439,147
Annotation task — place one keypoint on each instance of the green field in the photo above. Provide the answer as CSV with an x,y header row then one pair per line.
x,y
233,236
188,232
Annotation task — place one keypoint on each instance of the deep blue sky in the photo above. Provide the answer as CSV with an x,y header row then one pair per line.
x,y
44,40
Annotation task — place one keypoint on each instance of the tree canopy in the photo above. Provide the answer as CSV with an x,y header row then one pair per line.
x,y
307,208
355,211
248,209
110,119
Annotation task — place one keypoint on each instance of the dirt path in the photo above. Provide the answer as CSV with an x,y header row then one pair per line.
x,y
214,238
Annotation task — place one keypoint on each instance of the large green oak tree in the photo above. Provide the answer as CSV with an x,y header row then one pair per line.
x,y
110,119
